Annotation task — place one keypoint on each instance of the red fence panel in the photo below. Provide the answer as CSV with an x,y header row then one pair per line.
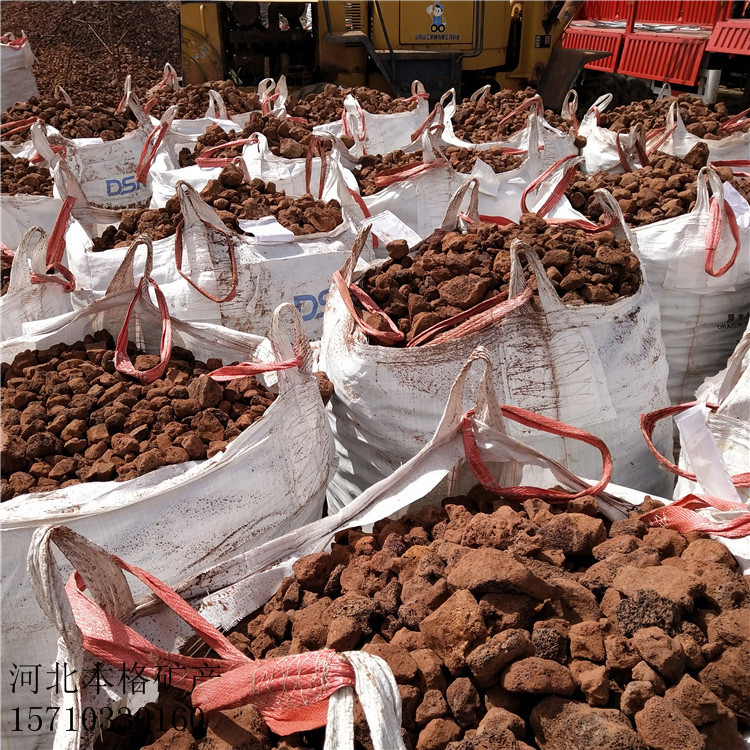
x,y
661,57
731,37
603,10
597,39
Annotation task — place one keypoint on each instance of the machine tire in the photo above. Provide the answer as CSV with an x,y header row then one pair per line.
x,y
433,28
441,28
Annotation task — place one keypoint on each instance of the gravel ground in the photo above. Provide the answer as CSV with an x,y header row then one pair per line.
x,y
89,47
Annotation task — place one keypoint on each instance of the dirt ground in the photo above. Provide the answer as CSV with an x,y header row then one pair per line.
x,y
89,47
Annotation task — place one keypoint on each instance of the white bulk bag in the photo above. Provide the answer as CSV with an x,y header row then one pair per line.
x,y
597,367
420,195
229,279
226,593
729,423
179,519
554,143
675,139
380,134
104,175
607,150
19,212
17,72
698,266
294,176
185,132
32,294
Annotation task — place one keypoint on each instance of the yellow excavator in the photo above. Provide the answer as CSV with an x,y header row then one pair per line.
x,y
461,44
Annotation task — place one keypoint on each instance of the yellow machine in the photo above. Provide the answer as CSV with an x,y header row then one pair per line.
x,y
384,44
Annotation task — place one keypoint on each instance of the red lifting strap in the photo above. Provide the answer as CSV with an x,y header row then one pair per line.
x,y
540,422
291,692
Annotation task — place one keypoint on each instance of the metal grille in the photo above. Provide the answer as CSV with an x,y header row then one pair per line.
x,y
603,10
674,60
353,16
732,37
607,41
696,12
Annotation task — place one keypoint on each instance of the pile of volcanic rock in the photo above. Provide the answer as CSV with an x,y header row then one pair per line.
x,y
452,272
480,121
328,106
663,190
371,166
700,119
18,177
285,137
232,199
512,626
193,100
73,121
68,416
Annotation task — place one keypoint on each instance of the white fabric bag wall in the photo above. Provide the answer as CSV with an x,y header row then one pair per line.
x,y
553,143
19,212
26,301
607,150
379,134
179,519
420,200
699,271
229,279
678,141
226,593
17,72
103,174
597,367
729,424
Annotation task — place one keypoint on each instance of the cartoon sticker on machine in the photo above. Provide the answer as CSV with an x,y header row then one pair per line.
x,y
437,13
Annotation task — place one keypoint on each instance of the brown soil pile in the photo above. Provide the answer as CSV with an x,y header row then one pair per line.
x,y
89,48
511,626
72,120
452,272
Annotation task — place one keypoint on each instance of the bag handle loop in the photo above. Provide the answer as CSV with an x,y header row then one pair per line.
x,y
648,424
23,258
207,161
188,199
122,360
157,135
486,403
718,209
545,424
124,278
568,165
216,105
453,211
533,103
569,110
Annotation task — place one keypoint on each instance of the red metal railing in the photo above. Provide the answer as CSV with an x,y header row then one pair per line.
x,y
597,39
